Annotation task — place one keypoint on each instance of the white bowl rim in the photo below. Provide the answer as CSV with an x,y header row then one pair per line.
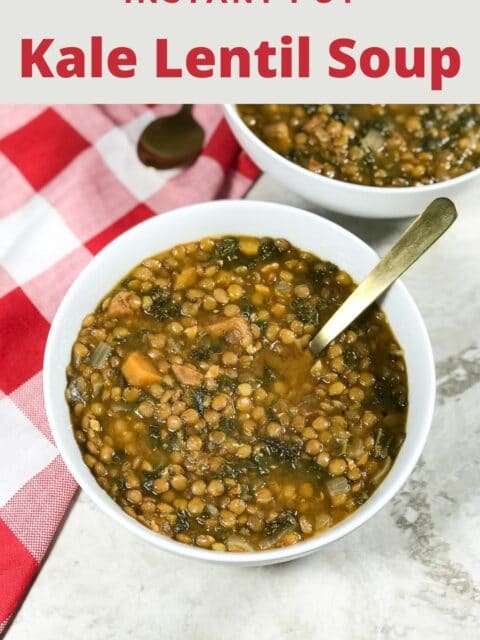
x,y
231,111
81,472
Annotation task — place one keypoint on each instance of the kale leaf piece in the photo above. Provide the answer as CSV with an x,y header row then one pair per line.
x,y
149,478
320,271
341,113
286,520
154,435
228,425
172,442
306,311
182,523
269,375
284,452
246,308
310,109
268,250
389,396
225,382
227,249
164,309
202,352
235,468
199,399
350,357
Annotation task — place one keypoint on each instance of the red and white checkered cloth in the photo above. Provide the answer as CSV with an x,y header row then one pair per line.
x,y
70,182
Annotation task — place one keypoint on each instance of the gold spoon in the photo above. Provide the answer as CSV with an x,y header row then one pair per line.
x,y
419,236
171,141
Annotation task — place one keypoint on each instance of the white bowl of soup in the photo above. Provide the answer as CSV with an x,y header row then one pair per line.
x,y
373,161
182,398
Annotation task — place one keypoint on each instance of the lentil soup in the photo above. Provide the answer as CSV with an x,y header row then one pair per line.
x,y
200,410
389,145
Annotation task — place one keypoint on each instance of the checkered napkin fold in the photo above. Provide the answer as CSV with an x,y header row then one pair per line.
x,y
70,182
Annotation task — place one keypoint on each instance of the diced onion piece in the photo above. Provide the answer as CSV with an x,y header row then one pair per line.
x,y
101,354
382,472
97,387
238,543
322,521
212,510
335,486
356,448
317,369
283,287
268,542
77,391
120,407
373,141
309,405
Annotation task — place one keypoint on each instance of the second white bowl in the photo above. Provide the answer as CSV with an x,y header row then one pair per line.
x,y
337,195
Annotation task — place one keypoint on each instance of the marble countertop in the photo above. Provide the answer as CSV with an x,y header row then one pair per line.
x,y
411,572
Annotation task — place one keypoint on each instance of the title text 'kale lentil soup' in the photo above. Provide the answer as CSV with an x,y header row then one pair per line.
x,y
199,409
376,145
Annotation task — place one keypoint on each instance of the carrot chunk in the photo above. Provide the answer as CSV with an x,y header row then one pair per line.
x,y
140,370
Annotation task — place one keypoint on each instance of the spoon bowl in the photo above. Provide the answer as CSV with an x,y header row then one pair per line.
x,y
171,141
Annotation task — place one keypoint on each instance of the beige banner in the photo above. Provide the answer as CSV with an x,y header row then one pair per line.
x,y
282,50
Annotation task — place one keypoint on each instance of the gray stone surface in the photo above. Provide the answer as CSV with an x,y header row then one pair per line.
x,y
411,572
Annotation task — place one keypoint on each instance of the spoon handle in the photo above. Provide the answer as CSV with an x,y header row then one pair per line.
x,y
418,237
186,109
